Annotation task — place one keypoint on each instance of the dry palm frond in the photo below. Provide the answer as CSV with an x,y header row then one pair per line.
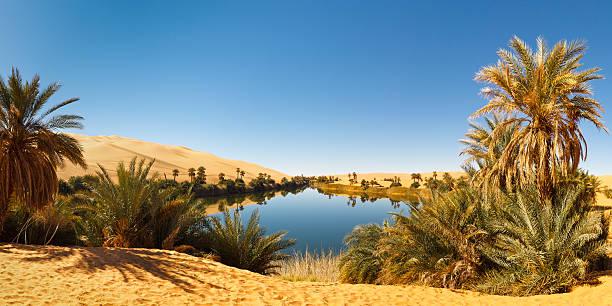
x,y
484,151
547,96
30,147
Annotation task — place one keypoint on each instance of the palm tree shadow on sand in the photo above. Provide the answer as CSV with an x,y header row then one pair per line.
x,y
131,263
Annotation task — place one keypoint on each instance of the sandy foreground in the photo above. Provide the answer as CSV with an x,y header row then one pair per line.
x,y
60,275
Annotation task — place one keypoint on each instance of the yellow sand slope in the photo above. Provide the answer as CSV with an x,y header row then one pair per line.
x,y
58,275
110,150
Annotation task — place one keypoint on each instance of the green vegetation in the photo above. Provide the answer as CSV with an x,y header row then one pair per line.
x,y
436,244
136,212
544,248
525,223
361,263
244,246
372,191
139,210
501,244
201,175
30,147
545,96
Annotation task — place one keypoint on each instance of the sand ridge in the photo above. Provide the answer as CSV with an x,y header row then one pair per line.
x,y
108,151
79,275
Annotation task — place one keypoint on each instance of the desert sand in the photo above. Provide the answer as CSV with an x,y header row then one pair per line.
x,y
108,151
60,275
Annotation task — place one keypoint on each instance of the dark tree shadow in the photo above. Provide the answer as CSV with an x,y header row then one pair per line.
x,y
131,263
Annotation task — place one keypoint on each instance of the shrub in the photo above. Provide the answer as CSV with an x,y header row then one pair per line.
x,y
307,266
136,212
52,224
245,246
362,263
64,188
78,184
544,247
511,244
437,244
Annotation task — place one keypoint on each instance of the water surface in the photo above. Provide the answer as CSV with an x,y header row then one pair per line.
x,y
317,221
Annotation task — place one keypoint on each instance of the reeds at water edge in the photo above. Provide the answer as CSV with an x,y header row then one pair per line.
x,y
319,266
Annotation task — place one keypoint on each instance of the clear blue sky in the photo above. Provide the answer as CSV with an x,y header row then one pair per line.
x,y
312,87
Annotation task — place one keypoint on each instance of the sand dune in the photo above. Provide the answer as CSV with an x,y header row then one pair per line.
x,y
59,275
110,150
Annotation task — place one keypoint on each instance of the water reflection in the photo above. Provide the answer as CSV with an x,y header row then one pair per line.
x,y
318,221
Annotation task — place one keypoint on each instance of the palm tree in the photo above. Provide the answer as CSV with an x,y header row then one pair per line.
x,y
31,149
361,263
355,176
237,173
136,212
437,244
448,180
242,173
175,173
434,175
202,174
191,173
548,96
246,246
544,248
482,153
414,177
123,206
221,177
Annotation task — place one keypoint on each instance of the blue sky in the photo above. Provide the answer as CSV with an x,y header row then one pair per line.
x,y
312,87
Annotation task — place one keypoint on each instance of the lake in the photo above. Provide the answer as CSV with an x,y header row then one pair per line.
x,y
317,221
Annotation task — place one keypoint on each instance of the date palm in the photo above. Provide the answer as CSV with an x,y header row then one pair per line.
x,y
201,174
483,153
246,246
191,173
546,95
175,173
31,148
135,211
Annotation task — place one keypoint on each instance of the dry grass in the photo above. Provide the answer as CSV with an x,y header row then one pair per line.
x,y
313,267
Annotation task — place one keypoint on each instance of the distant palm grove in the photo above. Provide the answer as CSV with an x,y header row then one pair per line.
x,y
523,220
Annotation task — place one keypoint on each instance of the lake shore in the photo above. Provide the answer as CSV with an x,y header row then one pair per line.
x,y
62,275
393,193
